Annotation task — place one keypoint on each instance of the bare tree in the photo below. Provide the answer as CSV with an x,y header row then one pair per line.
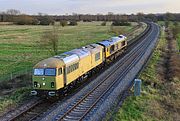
x,y
49,40
13,12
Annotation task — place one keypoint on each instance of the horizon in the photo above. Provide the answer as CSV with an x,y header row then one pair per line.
x,y
68,7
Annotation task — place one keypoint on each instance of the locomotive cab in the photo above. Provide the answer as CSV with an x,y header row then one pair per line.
x,y
48,77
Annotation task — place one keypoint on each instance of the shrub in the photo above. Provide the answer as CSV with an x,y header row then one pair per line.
x,y
63,23
120,23
73,23
87,20
103,23
175,31
46,20
25,20
49,41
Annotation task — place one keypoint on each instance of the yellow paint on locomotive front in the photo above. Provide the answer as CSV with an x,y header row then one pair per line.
x,y
108,52
45,82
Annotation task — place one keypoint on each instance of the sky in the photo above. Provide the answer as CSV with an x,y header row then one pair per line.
x,y
62,7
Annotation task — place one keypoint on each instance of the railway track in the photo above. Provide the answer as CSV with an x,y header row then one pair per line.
x,y
86,104
79,109
29,111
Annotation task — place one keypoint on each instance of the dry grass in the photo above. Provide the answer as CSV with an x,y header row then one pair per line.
x,y
6,23
175,65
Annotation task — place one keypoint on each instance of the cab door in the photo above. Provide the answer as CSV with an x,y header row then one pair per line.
x,y
60,78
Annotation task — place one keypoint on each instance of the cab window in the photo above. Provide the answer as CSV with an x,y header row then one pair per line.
x,y
59,71
50,72
123,43
38,72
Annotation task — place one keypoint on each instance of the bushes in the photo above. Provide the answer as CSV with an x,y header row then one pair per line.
x,y
46,20
103,23
49,41
87,20
120,23
25,20
175,31
29,20
12,100
73,23
63,23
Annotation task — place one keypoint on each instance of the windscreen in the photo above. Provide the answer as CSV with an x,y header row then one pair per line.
x,y
50,72
38,72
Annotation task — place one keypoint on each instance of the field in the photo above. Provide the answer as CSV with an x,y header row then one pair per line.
x,y
19,48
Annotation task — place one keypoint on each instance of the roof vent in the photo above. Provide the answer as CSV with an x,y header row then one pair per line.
x,y
120,36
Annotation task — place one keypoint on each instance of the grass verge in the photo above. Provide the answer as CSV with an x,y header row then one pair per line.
x,y
160,98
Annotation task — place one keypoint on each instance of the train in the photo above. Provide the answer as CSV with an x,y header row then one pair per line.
x,y
52,75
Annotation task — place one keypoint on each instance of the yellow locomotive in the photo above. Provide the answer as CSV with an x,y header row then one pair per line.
x,y
52,75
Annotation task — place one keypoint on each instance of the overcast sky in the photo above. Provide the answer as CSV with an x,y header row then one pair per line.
x,y
57,7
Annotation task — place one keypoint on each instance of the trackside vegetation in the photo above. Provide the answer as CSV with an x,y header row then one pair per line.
x,y
160,97
134,108
10,101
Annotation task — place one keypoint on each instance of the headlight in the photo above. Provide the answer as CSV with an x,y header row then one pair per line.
x,y
44,83
35,84
52,84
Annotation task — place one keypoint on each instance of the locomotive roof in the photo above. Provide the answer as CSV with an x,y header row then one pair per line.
x,y
50,63
67,58
112,40
81,52
93,48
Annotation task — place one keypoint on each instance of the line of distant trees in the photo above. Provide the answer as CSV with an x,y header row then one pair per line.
x,y
124,17
17,17
43,19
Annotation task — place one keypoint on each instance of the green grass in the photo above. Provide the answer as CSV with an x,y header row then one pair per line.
x,y
139,108
18,44
178,40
